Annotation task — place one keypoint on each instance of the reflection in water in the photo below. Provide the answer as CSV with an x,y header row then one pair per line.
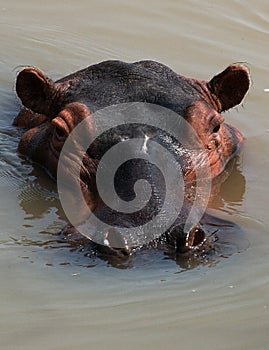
x,y
229,188
38,195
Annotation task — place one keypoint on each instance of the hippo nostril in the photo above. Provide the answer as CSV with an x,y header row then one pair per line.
x,y
195,237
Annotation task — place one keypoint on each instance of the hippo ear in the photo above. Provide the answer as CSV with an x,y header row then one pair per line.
x,y
37,91
230,86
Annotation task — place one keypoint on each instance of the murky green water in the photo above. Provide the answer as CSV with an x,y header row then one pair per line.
x,y
54,298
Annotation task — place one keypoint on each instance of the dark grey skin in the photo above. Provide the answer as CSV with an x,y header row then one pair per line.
x,y
53,109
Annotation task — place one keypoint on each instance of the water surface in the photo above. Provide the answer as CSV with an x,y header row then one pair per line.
x,y
54,298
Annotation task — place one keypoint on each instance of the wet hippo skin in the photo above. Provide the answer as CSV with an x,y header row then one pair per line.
x,y
51,110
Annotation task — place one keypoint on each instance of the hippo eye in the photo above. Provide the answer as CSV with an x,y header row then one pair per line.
x,y
216,128
60,128
59,132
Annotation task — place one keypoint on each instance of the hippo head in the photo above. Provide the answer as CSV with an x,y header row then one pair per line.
x,y
53,109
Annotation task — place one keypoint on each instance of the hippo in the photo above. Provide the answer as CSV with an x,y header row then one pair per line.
x,y
52,110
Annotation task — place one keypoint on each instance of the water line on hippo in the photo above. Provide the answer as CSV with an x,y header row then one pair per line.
x,y
149,116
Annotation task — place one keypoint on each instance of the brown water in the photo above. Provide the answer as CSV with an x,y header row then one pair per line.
x,y
52,298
